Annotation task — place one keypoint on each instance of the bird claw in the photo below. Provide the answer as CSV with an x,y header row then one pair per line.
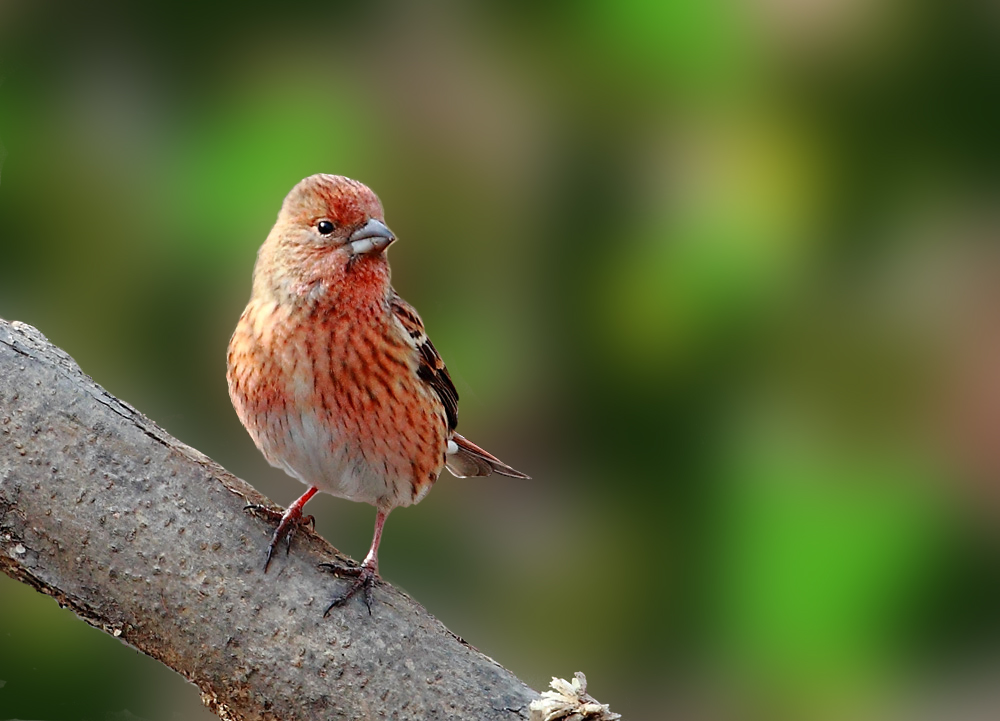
x,y
367,577
288,521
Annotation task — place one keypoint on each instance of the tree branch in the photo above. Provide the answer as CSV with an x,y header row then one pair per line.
x,y
146,539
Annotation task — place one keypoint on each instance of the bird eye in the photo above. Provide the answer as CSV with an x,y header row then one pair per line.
x,y
325,227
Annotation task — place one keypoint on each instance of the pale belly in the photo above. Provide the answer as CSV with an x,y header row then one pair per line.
x,y
306,449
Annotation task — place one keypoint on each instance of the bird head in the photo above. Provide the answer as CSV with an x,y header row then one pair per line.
x,y
328,226
335,213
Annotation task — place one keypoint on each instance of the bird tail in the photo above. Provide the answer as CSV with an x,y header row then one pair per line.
x,y
465,459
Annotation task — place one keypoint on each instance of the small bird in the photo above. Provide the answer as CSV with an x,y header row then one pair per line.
x,y
332,373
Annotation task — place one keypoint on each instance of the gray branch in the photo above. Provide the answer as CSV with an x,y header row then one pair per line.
x,y
146,538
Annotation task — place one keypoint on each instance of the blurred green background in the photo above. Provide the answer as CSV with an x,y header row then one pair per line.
x,y
722,275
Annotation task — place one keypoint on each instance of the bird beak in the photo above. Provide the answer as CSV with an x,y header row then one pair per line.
x,y
372,237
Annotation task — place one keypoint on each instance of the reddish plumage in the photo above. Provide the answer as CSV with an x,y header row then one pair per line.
x,y
331,371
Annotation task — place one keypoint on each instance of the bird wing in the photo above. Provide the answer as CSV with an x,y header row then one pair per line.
x,y
463,457
431,368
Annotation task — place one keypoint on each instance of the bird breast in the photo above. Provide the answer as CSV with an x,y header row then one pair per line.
x,y
331,395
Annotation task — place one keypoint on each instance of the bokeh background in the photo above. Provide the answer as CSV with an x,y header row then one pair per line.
x,y
722,275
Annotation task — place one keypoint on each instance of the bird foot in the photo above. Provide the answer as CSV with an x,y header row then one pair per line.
x,y
288,522
366,579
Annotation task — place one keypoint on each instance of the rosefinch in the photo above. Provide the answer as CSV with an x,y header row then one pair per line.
x,y
332,373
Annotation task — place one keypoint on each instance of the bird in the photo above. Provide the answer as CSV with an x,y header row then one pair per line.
x,y
333,374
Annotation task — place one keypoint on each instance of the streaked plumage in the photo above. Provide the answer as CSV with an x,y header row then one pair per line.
x,y
333,374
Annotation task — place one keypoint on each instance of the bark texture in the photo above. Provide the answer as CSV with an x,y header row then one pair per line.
x,y
146,538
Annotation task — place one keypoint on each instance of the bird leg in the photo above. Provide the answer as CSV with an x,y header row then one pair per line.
x,y
287,522
367,572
